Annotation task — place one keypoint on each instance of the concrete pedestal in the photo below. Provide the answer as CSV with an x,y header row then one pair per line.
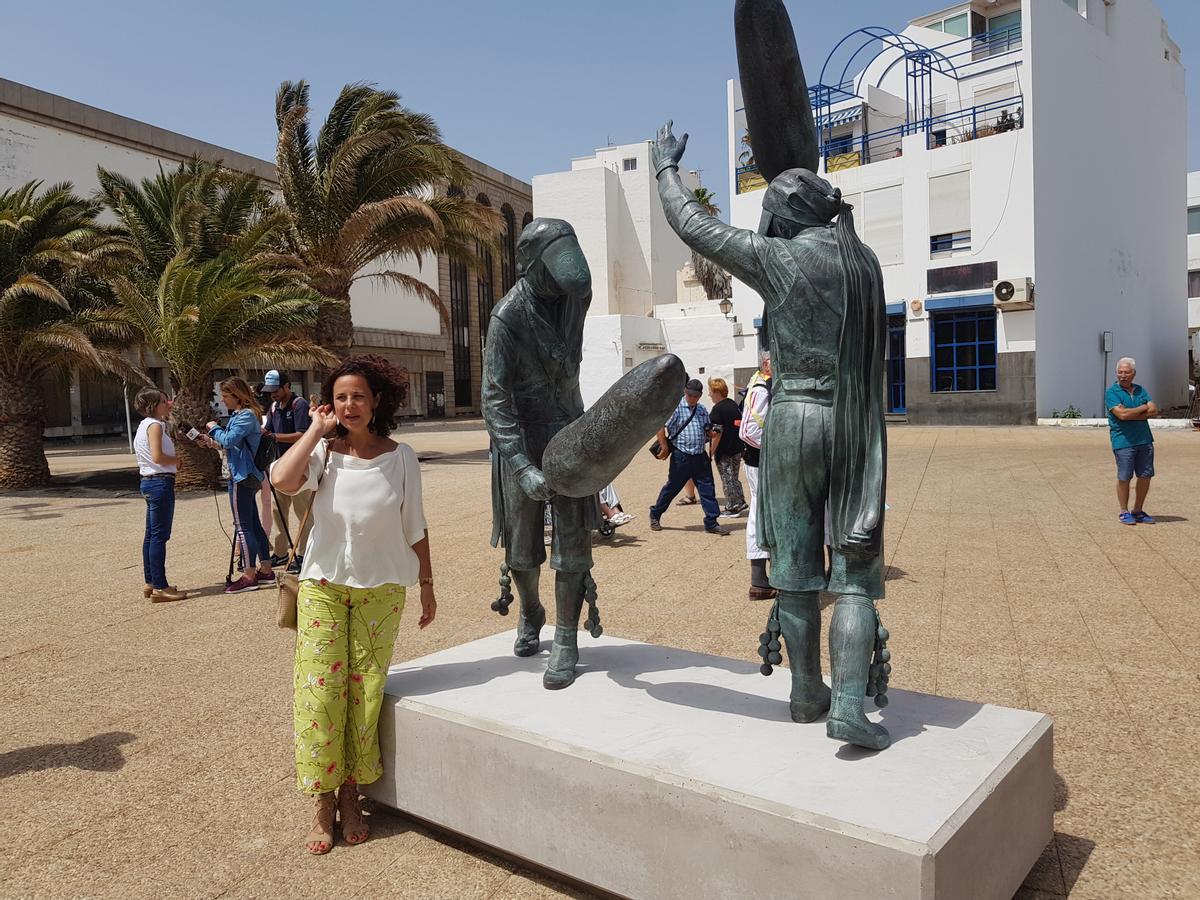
x,y
667,774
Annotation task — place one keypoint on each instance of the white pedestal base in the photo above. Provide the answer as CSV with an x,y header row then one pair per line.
x,y
667,774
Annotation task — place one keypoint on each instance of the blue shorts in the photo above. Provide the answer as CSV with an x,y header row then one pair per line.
x,y
1137,460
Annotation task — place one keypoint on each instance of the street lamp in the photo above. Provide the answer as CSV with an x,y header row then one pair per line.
x,y
726,307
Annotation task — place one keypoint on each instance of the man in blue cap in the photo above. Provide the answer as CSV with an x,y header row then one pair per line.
x,y
287,419
682,440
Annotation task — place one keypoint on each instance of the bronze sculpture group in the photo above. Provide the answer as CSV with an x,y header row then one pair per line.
x,y
824,441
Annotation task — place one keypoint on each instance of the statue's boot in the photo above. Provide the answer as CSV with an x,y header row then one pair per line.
x,y
532,616
800,622
851,641
564,656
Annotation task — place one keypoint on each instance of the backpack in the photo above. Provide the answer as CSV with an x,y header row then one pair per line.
x,y
267,451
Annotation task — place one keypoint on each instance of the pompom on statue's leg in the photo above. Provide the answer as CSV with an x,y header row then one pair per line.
x,y
568,601
533,614
800,622
852,637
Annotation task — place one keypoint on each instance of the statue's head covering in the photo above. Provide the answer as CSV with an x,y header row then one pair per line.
x,y
802,197
536,237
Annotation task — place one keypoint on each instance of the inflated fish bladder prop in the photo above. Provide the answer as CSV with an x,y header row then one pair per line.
x,y
593,450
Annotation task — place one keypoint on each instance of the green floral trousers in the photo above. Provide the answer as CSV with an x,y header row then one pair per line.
x,y
344,641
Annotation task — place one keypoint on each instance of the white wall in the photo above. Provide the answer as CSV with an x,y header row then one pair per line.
x,y
610,349
376,303
32,151
631,250
1109,123
1193,250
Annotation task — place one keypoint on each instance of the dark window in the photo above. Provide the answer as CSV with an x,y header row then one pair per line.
x,y
839,145
487,291
508,249
525,221
1194,220
964,350
896,353
949,243
629,164
1194,283
460,327
972,277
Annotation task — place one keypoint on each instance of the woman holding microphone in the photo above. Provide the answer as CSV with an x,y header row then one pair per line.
x,y
368,542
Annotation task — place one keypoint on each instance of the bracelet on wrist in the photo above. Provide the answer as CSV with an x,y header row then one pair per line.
x,y
424,580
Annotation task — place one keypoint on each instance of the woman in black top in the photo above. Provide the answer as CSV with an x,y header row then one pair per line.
x,y
727,446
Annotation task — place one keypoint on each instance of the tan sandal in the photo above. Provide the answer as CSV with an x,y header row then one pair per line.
x,y
354,827
320,837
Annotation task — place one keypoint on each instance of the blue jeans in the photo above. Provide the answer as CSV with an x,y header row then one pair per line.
x,y
160,515
689,467
1131,460
251,538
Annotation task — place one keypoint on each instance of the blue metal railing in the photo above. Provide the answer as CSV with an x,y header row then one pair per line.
x,y
948,243
957,127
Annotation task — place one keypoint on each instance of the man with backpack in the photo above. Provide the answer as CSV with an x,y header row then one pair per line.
x,y
287,419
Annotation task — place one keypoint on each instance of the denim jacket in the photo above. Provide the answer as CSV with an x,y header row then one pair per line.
x,y
240,439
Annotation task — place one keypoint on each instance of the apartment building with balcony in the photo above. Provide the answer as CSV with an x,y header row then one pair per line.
x,y
996,156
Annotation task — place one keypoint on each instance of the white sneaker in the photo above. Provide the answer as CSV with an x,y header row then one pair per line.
x,y
621,518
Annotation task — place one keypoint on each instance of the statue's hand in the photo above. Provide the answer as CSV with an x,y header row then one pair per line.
x,y
668,149
533,483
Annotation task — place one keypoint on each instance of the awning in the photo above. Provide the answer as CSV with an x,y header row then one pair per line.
x,y
969,301
840,117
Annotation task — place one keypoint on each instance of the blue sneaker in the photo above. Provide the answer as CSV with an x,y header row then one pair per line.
x,y
1127,518
1143,518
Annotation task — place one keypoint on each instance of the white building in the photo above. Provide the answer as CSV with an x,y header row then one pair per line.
x,y
1007,141
53,139
642,304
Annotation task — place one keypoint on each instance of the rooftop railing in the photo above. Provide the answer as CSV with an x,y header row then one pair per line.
x,y
956,127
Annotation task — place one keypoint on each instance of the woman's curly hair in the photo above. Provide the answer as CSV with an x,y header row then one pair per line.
x,y
383,378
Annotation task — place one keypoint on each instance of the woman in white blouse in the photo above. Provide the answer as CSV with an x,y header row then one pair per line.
x,y
368,542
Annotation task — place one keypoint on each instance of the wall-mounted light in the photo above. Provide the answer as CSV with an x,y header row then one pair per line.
x,y
726,307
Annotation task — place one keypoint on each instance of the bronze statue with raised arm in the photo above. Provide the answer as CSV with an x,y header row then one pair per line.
x,y
824,442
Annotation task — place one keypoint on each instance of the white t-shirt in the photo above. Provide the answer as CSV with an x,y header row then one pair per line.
x,y
366,516
141,448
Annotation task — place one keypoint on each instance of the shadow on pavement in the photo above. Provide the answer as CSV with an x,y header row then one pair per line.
x,y
101,753
466,457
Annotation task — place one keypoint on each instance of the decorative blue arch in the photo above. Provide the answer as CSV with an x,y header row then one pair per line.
x,y
869,44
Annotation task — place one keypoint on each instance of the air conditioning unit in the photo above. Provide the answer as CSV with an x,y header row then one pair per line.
x,y
1010,294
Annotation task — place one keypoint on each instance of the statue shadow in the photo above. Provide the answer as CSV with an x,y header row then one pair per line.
x,y
465,457
913,716
101,753
625,664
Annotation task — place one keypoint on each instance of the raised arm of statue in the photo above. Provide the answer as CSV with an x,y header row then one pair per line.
x,y
737,250
499,360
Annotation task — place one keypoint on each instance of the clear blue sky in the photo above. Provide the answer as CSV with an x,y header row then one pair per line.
x,y
523,85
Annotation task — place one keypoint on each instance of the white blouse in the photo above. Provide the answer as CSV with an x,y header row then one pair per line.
x,y
141,448
366,516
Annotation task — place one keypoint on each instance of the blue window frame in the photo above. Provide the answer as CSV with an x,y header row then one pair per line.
x,y
964,350
836,146
895,365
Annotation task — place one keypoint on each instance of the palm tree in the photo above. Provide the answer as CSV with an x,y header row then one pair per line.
x,y
377,185
53,316
204,314
200,207
713,278
179,220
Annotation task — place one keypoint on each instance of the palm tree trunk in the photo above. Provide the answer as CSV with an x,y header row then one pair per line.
x,y
335,325
199,467
22,422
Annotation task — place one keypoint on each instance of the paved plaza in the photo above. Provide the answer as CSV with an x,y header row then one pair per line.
x,y
146,749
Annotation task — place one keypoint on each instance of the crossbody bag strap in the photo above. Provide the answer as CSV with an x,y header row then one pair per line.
x,y
671,437
308,512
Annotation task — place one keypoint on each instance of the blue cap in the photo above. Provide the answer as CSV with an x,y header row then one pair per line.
x,y
272,381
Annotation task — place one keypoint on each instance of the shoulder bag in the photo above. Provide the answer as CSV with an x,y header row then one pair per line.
x,y
656,448
289,583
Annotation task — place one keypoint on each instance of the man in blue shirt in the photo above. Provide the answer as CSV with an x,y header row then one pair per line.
x,y
1129,406
287,419
683,439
